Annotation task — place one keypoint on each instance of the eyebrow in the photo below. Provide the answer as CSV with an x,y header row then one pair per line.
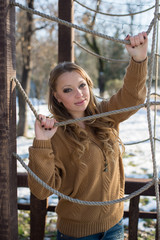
x,y
71,85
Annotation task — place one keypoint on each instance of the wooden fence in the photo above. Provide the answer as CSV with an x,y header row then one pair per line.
x,y
38,208
8,169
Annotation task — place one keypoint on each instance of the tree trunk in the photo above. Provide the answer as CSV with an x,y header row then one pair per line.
x,y
8,167
94,46
101,80
26,55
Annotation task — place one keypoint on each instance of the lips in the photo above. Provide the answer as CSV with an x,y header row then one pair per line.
x,y
80,103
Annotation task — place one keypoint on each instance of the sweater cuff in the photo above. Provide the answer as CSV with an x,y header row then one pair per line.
x,y
42,143
138,64
140,61
138,68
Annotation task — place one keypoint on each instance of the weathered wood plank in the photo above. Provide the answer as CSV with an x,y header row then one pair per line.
x,y
133,184
133,218
8,171
38,211
65,34
134,214
65,53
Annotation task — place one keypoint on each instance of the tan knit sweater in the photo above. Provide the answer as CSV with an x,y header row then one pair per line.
x,y
52,161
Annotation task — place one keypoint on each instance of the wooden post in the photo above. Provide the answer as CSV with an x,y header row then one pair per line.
x,y
133,218
65,34
8,171
38,210
65,53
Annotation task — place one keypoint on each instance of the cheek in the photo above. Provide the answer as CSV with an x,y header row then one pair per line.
x,y
67,101
88,93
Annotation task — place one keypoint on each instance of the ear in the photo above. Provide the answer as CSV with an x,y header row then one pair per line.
x,y
57,97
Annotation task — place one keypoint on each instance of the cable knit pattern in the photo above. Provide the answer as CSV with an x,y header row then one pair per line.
x,y
85,179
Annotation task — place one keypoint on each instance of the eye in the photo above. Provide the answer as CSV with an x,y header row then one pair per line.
x,y
82,85
67,90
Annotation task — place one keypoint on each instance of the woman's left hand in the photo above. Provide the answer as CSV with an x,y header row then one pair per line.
x,y
138,47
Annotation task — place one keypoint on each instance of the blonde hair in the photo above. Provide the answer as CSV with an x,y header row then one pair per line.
x,y
102,127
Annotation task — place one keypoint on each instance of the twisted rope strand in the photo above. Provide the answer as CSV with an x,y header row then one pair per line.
x,y
99,56
81,119
70,121
63,123
149,115
84,118
152,94
25,96
71,25
75,200
114,15
153,22
155,94
142,141
137,142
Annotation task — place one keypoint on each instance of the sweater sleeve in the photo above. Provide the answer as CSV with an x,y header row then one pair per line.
x,y
43,163
131,94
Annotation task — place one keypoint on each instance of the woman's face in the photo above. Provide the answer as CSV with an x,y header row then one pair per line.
x,y
73,91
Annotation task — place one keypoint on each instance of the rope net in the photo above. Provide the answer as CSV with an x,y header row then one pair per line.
x,y
148,103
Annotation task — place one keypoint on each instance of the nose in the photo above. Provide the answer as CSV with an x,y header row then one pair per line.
x,y
79,93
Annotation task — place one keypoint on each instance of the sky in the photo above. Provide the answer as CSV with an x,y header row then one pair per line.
x,y
141,21
106,24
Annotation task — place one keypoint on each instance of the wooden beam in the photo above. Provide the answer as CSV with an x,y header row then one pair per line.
x,y
65,53
22,179
133,184
65,34
38,211
133,218
143,214
8,169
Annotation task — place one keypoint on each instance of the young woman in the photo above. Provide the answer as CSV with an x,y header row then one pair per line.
x,y
83,160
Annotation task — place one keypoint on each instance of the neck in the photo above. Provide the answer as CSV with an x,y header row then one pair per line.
x,y
81,124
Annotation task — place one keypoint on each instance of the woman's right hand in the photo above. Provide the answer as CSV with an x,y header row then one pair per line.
x,y
45,129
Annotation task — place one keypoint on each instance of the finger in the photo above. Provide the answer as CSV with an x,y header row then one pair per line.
x,y
132,40
144,34
40,117
127,37
141,38
43,120
137,40
49,124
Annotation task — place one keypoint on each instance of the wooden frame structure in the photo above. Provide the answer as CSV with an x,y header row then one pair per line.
x,y
65,53
131,185
8,171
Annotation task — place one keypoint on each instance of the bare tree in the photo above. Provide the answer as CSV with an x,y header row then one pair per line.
x,y
26,70
26,61
93,44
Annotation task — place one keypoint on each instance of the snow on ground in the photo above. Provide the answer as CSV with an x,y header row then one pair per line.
x,y
139,163
137,158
